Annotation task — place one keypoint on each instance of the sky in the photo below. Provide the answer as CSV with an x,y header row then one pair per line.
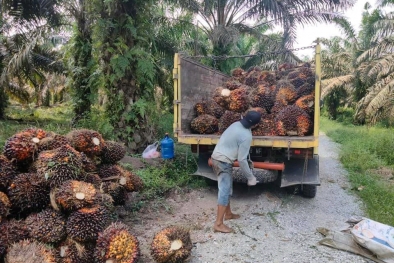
x,y
306,35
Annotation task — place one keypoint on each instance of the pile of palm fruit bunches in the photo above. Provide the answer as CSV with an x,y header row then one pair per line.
x,y
285,98
57,202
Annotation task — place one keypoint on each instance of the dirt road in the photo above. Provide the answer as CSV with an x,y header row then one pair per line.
x,y
274,225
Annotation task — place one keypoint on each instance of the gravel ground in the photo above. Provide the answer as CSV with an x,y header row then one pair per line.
x,y
274,225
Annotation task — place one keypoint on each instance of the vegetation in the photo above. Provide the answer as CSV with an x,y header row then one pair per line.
x,y
366,153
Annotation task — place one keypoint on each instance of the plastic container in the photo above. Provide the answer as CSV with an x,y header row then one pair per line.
x,y
167,147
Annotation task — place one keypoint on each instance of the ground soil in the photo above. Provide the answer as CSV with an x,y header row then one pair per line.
x,y
275,226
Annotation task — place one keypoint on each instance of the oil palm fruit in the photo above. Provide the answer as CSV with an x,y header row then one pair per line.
x,y
116,244
171,245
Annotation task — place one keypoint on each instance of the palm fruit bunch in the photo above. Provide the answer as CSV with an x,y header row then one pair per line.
x,y
59,165
222,96
70,251
116,173
252,76
73,195
117,244
171,245
232,84
307,103
286,93
136,181
11,232
266,127
52,141
7,172
117,191
22,146
306,89
305,72
239,99
92,178
204,124
267,77
297,82
28,192
215,109
284,70
262,97
5,206
278,106
112,152
30,251
228,118
47,226
238,74
87,141
84,224
88,164
200,108
293,121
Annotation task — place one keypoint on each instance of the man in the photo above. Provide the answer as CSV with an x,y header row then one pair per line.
x,y
234,144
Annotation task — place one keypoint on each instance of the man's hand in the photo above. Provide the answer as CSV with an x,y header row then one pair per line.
x,y
250,163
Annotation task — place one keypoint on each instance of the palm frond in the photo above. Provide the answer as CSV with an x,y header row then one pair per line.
x,y
386,46
329,85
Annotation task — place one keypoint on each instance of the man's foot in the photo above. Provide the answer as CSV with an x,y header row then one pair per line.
x,y
222,228
252,181
231,216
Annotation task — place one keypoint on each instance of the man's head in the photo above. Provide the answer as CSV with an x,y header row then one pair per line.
x,y
251,119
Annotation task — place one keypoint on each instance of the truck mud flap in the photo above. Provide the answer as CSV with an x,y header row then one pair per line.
x,y
262,176
294,173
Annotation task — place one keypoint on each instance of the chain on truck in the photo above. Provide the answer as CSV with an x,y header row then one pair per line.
x,y
292,161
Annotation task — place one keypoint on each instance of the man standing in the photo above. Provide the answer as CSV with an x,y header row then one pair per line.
x,y
234,144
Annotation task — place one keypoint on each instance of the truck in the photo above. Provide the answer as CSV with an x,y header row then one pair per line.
x,y
291,161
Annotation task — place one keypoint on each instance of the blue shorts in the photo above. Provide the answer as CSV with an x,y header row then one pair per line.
x,y
225,181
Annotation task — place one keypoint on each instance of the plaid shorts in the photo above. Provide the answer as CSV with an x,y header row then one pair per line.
x,y
225,181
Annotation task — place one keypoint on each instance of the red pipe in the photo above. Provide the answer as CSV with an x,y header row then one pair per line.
x,y
259,165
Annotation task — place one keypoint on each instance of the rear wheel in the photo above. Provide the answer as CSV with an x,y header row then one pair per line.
x,y
309,190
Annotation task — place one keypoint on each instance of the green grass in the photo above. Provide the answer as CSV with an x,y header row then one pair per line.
x,y
368,156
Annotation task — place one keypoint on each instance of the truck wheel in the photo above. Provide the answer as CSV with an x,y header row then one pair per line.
x,y
309,190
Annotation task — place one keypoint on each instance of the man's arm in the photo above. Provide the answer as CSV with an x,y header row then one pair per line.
x,y
243,153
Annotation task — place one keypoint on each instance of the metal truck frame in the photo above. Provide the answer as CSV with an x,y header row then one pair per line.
x,y
194,82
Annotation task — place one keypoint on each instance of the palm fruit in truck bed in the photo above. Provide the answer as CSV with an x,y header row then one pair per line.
x,y
172,244
200,108
267,77
7,172
59,165
22,146
260,110
221,96
116,191
215,109
87,141
307,103
238,74
232,84
228,118
5,206
30,251
112,152
262,97
239,99
297,82
204,124
84,224
117,244
70,251
293,74
11,232
278,106
47,226
286,93
52,141
252,76
306,89
266,126
73,195
28,192
293,121
305,73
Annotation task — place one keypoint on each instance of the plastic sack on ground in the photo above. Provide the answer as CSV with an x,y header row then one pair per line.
x,y
376,237
151,151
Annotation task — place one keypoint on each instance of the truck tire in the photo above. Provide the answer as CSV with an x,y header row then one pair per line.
x,y
309,190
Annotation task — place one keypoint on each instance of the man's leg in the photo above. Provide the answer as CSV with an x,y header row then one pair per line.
x,y
224,185
229,214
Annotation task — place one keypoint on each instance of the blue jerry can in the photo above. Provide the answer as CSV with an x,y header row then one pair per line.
x,y
167,147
